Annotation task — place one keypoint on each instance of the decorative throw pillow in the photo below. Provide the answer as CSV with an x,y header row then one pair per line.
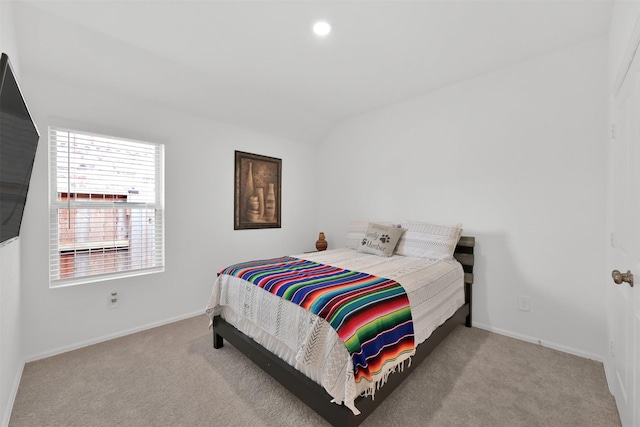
x,y
424,240
357,231
380,239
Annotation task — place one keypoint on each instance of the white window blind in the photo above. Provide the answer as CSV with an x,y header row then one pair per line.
x,y
106,207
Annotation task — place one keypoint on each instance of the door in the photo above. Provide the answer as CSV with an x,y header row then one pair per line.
x,y
624,255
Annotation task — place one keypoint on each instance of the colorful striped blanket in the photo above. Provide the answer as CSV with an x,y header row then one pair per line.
x,y
370,314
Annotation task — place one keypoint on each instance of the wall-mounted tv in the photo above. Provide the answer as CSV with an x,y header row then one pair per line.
x,y
18,142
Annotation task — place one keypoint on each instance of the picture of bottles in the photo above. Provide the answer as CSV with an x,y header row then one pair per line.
x,y
257,190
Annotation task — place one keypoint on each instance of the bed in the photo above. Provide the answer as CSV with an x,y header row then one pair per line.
x,y
306,355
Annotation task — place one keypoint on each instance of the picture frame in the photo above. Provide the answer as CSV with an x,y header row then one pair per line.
x,y
257,191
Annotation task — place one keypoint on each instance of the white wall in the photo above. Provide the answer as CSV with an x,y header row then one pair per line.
x,y
200,239
516,155
11,358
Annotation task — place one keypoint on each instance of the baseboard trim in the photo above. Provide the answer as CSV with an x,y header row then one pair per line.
x,y
108,337
555,346
12,396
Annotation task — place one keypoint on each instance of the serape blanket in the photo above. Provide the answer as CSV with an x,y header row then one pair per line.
x,y
370,314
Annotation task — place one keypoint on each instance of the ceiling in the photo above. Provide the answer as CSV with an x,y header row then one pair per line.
x,y
257,64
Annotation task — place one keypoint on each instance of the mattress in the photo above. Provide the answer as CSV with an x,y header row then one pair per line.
x,y
435,290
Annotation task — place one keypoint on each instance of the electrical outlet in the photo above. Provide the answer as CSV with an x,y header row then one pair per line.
x,y
524,303
114,300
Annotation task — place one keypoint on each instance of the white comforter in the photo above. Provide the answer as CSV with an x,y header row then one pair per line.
x,y
305,341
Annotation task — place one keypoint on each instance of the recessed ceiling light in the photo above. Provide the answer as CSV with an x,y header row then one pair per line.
x,y
321,28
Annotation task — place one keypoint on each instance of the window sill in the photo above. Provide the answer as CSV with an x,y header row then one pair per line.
x,y
63,283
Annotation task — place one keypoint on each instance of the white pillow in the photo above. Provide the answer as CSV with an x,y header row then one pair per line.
x,y
357,231
422,240
380,239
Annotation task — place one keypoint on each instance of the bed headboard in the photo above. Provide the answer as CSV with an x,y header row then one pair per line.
x,y
464,255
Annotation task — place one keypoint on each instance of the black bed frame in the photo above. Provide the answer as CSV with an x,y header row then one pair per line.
x,y
314,395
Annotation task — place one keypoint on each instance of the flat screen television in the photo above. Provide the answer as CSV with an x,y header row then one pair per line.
x,y
18,142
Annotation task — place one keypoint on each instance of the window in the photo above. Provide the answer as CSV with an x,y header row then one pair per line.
x,y
106,207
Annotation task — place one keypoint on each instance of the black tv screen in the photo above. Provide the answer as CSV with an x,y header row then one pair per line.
x,y
18,142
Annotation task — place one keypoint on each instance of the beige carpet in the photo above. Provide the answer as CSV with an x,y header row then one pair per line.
x,y
171,376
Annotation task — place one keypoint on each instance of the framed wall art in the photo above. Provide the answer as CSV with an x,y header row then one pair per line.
x,y
257,191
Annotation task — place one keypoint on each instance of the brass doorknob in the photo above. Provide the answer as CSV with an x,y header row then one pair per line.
x,y
618,277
